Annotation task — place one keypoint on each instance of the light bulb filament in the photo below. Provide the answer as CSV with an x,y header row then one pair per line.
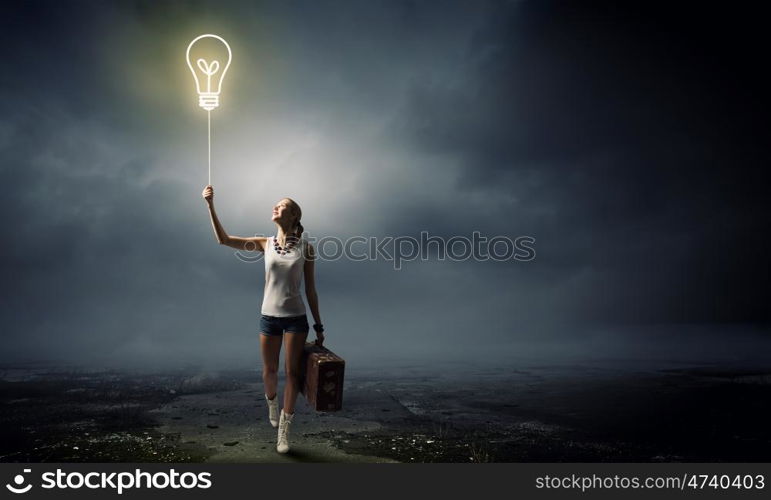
x,y
208,70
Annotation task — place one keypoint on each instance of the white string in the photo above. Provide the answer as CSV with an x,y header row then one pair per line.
x,y
208,113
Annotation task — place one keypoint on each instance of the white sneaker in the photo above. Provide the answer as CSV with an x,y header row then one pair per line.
x,y
282,446
272,410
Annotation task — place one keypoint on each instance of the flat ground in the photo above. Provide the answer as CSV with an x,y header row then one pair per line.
x,y
599,412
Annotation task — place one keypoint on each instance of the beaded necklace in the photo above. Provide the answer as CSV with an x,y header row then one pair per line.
x,y
291,243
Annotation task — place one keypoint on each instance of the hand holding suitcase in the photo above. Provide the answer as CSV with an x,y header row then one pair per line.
x,y
322,378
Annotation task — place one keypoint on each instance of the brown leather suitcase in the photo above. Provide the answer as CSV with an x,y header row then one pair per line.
x,y
323,373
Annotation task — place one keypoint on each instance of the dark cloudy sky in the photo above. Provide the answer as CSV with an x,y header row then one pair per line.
x,y
629,140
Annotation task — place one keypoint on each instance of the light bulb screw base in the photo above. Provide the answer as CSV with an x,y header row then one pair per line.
x,y
208,101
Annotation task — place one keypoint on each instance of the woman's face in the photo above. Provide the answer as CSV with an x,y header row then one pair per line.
x,y
282,212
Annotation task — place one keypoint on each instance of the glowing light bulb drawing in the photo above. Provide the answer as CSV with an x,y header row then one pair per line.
x,y
208,79
208,73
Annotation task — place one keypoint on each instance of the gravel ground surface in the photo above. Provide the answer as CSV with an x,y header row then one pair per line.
x,y
599,412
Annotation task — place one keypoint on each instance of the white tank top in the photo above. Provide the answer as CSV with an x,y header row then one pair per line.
x,y
283,274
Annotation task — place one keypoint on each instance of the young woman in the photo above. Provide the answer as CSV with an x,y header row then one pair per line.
x,y
288,258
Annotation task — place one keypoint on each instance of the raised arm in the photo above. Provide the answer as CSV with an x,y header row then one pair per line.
x,y
223,238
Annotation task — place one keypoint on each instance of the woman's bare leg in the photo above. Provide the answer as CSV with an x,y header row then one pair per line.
x,y
293,357
270,347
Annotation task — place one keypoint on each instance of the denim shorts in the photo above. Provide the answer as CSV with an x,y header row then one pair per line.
x,y
275,326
